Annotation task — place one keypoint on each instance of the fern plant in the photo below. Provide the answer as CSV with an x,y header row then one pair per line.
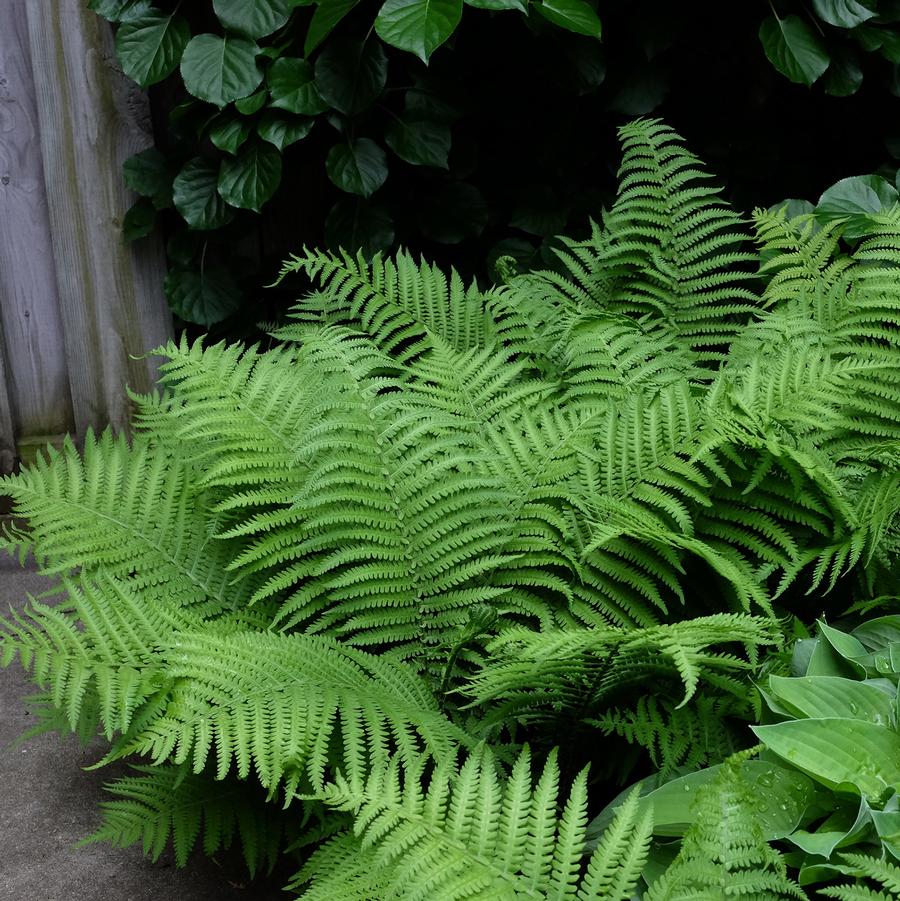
x,y
358,573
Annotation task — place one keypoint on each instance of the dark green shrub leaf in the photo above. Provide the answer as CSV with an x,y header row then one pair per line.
x,y
204,296
150,47
351,74
357,167
283,129
421,142
139,220
540,213
842,13
498,4
453,212
148,173
357,225
196,195
292,86
418,26
854,198
588,66
255,102
794,49
252,18
844,76
573,15
327,15
248,180
121,10
229,133
220,70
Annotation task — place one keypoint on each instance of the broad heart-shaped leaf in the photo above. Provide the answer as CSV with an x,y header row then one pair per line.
x,y
283,129
147,173
121,10
419,26
357,167
794,49
292,86
248,180
327,15
351,74
150,47
252,104
220,70
573,15
823,696
498,4
844,75
139,220
229,132
842,13
204,296
252,18
853,199
355,225
420,142
839,753
196,195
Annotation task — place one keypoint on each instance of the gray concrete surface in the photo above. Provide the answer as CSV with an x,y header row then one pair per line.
x,y
48,803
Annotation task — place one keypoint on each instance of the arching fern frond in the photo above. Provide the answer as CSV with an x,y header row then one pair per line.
x,y
472,834
885,873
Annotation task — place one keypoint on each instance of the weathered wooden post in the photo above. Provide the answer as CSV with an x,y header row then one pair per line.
x,y
75,302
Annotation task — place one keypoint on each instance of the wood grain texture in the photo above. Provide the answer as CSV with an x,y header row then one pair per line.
x,y
92,118
37,387
7,433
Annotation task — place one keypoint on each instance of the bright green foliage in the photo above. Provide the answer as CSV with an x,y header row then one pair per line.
x,y
883,872
725,851
471,834
568,510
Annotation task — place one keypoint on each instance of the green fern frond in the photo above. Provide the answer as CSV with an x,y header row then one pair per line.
x,y
470,834
159,805
885,873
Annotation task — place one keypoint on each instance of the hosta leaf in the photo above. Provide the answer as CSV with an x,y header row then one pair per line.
x,y
204,296
793,48
139,220
229,132
351,74
121,10
150,47
823,696
327,15
357,167
147,173
573,15
421,142
220,70
292,86
196,195
839,753
357,225
842,13
283,129
252,18
248,180
419,26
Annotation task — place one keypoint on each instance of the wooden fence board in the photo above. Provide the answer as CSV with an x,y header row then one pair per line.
x,y
37,397
92,118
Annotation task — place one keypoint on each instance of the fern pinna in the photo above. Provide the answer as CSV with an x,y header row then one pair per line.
x,y
364,571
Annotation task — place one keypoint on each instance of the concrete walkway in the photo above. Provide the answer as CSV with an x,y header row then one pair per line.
x,y
49,803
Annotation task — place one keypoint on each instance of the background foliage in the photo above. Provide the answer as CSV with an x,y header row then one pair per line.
x,y
340,134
